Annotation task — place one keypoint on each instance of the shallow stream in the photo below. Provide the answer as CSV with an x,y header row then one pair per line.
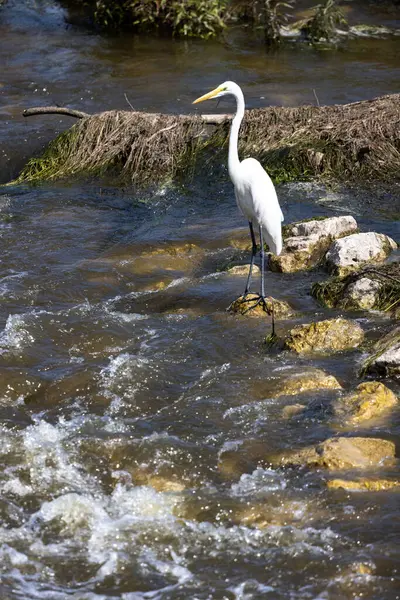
x,y
126,386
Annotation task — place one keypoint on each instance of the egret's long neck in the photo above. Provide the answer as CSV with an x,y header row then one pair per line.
x,y
233,157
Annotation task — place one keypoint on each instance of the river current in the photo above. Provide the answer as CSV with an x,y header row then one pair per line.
x,y
133,407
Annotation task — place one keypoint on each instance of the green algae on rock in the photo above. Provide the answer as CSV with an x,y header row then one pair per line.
x,y
250,307
331,335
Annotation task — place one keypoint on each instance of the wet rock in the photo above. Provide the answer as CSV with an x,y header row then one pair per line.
x,y
369,400
262,515
291,410
332,227
332,335
160,483
342,453
363,485
243,457
385,358
243,270
354,251
310,379
306,242
248,306
375,288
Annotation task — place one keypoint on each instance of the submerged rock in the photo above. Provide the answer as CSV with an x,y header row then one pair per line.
x,y
248,306
342,453
385,358
310,379
332,335
369,400
243,270
306,242
354,251
363,485
292,410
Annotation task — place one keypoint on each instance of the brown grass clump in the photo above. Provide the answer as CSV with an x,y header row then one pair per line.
x,y
351,142
344,142
133,146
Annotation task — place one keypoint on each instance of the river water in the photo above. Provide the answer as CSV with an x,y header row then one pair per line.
x,y
125,385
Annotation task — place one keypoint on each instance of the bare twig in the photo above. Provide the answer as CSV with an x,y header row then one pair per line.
x,y
128,101
316,97
60,110
55,110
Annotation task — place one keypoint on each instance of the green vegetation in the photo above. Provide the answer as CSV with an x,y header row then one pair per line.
x,y
187,18
324,23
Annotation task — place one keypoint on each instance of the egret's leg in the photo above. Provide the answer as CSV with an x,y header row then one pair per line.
x,y
262,291
253,254
262,265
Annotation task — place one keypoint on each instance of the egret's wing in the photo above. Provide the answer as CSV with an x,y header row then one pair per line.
x,y
265,201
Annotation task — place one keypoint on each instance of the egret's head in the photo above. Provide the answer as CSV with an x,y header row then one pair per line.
x,y
229,87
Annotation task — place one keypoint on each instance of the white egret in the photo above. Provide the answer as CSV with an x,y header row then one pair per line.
x,y
254,191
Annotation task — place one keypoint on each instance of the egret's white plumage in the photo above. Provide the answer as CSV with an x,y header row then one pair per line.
x,y
254,190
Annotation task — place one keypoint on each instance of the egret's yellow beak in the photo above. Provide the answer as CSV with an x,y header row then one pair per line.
x,y
208,96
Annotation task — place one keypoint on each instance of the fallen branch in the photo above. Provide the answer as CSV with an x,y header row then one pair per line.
x,y
55,110
78,114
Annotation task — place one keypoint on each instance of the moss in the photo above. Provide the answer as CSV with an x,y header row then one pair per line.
x,y
331,335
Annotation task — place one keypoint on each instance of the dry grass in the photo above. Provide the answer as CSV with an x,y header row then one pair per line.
x,y
350,142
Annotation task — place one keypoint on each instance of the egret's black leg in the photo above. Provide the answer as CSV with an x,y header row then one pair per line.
x,y
253,254
262,291
262,265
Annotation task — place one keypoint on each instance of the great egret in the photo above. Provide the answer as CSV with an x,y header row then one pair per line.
x,y
254,191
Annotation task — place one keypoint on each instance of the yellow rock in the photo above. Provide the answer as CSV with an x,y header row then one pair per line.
x,y
160,483
341,453
250,308
369,400
312,379
369,485
243,270
291,410
243,459
332,335
262,515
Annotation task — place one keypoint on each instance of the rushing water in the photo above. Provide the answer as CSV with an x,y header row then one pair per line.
x,y
125,386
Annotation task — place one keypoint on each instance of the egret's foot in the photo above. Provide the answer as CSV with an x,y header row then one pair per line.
x,y
251,303
256,300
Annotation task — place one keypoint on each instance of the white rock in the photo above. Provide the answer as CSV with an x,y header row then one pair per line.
x,y
355,250
333,227
363,293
